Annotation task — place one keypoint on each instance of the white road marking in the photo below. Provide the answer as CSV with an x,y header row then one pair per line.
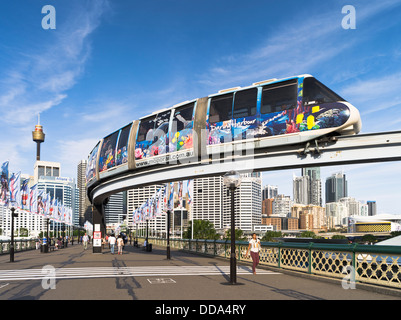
x,y
112,272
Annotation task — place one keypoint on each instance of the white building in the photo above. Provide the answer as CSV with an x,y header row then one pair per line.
x,y
212,202
282,205
135,198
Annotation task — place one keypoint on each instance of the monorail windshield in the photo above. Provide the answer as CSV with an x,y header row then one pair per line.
x,y
315,92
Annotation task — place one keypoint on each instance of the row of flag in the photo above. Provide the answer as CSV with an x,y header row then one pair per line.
x,y
16,193
161,201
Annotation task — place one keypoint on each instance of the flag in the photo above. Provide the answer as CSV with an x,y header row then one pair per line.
x,y
51,208
170,204
33,199
25,195
4,190
15,190
190,187
46,202
40,203
180,191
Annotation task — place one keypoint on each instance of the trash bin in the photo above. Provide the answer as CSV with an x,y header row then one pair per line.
x,y
149,247
44,247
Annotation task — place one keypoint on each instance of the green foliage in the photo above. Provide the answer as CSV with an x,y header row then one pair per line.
x,y
239,235
395,233
269,235
338,236
368,238
307,234
203,229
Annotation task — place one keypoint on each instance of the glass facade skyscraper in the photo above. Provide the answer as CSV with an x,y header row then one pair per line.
x,y
336,187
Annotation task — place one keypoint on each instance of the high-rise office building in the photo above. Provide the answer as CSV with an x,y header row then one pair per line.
x,y
85,210
301,189
372,208
269,192
315,195
212,202
135,198
282,205
336,187
248,205
114,209
61,188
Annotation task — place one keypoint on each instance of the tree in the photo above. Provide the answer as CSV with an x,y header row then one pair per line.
x,y
338,236
203,229
269,235
23,232
368,238
239,235
307,234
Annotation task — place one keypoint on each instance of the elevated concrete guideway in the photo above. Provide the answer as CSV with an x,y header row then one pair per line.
x,y
361,148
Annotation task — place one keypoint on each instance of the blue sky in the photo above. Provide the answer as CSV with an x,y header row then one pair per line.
x,y
110,62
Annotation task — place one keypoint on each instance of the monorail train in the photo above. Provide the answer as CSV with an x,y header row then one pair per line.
x,y
267,113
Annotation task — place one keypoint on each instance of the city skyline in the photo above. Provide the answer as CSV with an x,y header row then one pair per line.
x,y
108,63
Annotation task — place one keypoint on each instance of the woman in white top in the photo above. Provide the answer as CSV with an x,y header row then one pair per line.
x,y
254,246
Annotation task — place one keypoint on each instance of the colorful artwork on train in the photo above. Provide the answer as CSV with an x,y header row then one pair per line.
x,y
91,166
107,157
157,136
278,123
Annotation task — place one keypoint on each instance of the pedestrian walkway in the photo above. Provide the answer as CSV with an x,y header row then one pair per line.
x,y
139,275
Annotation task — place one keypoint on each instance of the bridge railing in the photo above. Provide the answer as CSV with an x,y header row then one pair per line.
x,y
380,265
19,245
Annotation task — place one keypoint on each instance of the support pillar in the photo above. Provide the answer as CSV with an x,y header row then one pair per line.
x,y
98,224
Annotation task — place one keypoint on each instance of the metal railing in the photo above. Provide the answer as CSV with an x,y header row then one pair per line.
x,y
19,245
380,265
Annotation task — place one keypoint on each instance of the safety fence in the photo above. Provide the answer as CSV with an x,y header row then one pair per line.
x,y
19,245
380,265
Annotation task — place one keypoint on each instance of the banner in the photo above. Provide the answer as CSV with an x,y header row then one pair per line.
x,y
40,205
33,199
170,204
15,190
25,195
180,192
4,190
190,186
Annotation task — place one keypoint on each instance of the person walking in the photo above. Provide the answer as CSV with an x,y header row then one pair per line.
x,y
85,240
120,244
112,242
254,246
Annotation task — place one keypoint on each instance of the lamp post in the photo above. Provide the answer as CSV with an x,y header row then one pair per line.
x,y
168,234
232,180
13,215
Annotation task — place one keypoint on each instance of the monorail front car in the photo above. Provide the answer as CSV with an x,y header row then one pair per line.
x,y
268,113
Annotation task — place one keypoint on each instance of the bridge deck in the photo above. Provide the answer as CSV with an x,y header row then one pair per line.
x,y
140,275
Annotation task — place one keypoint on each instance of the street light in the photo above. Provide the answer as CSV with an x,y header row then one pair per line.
x,y
232,181
13,215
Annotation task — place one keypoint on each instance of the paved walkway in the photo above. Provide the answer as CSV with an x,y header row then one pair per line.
x,y
74,273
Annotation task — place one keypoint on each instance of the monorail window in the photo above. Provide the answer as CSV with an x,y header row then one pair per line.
x,y
107,153
314,92
221,108
245,103
161,125
279,97
183,117
122,147
145,131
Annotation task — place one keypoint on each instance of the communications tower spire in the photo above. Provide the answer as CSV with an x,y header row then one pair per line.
x,y
38,136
